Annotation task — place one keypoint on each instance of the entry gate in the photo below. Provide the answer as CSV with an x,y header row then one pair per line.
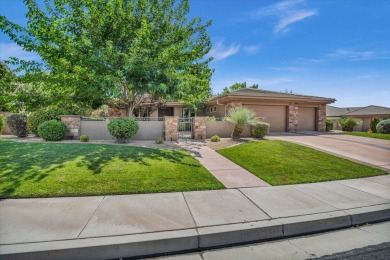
x,y
184,130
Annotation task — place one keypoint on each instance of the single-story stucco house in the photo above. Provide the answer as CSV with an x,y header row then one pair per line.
x,y
363,114
285,112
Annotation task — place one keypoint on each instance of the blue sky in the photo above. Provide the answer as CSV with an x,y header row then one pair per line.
x,y
330,48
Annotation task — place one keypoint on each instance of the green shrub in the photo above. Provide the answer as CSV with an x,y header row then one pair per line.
x,y
84,138
123,128
210,119
215,138
260,129
241,116
160,140
38,117
18,124
373,124
383,127
329,125
2,123
347,124
52,130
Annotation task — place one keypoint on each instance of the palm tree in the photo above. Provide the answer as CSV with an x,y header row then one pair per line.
x,y
241,116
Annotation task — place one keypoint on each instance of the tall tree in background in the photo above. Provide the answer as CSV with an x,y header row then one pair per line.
x,y
121,49
237,86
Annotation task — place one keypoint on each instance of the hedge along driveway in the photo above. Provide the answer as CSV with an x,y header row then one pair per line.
x,y
58,169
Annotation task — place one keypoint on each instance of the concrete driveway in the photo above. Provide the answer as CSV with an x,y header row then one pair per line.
x,y
370,151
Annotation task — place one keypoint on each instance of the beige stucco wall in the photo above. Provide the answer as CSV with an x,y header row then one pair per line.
x,y
97,130
224,129
219,113
178,111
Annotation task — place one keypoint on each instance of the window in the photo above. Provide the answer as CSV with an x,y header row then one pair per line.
x,y
215,109
207,110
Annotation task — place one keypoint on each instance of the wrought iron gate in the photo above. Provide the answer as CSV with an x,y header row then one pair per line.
x,y
184,128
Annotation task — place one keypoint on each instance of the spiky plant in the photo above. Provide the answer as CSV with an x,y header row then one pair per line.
x,y
241,116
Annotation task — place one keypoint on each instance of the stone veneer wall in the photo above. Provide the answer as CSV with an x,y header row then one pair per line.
x,y
199,128
171,125
73,124
293,117
321,122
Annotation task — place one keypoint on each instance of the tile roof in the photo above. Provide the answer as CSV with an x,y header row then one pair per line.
x,y
332,111
267,93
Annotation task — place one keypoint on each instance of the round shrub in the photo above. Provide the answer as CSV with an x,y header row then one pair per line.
x,y
52,130
84,138
260,129
160,140
123,128
215,138
18,125
38,117
347,124
2,124
383,127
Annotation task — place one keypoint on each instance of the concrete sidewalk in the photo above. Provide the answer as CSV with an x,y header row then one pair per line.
x,y
227,172
104,227
369,151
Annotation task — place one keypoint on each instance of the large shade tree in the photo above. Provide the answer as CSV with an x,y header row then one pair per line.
x,y
116,49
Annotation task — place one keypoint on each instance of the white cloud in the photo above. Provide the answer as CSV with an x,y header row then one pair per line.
x,y
220,51
287,13
347,54
8,50
252,49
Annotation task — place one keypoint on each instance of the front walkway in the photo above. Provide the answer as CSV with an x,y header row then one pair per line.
x,y
105,227
369,151
227,172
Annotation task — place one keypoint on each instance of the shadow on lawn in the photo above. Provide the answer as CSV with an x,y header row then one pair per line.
x,y
34,161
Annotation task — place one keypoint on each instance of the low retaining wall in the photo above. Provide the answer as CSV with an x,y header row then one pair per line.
x,y
97,130
224,129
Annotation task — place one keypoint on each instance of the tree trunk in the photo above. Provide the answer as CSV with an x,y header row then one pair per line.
x,y
237,131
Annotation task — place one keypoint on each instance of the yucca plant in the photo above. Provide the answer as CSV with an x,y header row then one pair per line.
x,y
241,116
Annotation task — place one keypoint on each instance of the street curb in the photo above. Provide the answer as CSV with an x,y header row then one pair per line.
x,y
170,242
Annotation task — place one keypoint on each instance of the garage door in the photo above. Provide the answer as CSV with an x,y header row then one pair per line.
x,y
306,119
276,116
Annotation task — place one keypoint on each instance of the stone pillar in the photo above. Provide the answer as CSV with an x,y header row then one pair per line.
x,y
73,123
199,127
293,117
171,125
321,122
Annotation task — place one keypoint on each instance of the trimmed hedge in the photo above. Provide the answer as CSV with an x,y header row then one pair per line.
x,y
84,138
2,123
18,125
215,138
52,130
38,117
260,130
383,127
374,122
123,128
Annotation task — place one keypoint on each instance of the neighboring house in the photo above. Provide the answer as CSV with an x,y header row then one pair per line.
x,y
363,114
285,112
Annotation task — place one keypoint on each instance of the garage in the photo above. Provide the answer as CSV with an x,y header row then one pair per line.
x,y
276,116
306,119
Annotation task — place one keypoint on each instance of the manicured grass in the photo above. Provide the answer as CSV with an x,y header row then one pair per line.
x,y
58,169
279,163
372,135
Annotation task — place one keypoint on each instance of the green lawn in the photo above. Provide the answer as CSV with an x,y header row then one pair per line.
x,y
372,135
58,169
279,163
